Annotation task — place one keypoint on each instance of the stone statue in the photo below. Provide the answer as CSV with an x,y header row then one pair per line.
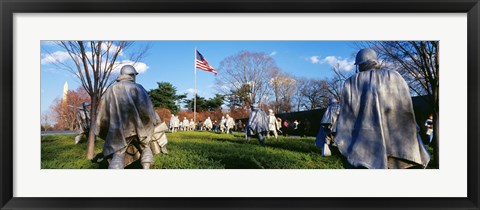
x,y
83,121
185,124
273,124
208,124
376,127
229,124
174,123
257,124
328,124
192,125
127,122
223,123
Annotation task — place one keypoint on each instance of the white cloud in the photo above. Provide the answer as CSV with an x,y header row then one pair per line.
x,y
113,48
139,66
343,64
273,53
58,56
314,59
48,43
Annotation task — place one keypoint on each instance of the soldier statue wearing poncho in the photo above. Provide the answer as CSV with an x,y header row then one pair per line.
x,y
83,121
174,123
376,127
223,123
185,124
208,124
229,124
273,124
128,123
328,125
257,124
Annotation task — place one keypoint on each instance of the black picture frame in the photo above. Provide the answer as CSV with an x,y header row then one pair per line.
x,y
10,7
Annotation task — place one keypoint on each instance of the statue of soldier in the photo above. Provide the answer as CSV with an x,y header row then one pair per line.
x,y
83,121
272,124
230,124
328,124
376,127
174,123
192,125
185,124
223,123
126,121
208,124
257,124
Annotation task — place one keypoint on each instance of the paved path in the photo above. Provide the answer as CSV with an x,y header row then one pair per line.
x,y
58,132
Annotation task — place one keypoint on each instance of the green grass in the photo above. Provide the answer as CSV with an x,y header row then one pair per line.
x,y
202,150
60,151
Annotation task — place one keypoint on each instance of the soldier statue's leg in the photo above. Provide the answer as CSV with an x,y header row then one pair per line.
x,y
118,158
261,138
147,157
78,138
164,149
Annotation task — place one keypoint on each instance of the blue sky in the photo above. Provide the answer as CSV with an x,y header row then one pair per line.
x,y
173,61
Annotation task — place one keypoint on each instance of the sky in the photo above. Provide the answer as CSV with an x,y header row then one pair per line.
x,y
173,61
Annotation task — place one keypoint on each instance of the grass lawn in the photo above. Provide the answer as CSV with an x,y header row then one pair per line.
x,y
200,150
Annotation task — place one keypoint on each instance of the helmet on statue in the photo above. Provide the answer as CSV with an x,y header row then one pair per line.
x,y
365,55
128,70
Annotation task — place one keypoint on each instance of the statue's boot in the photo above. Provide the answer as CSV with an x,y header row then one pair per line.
x,y
164,150
262,139
117,161
147,157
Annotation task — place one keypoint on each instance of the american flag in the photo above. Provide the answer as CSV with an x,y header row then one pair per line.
x,y
202,63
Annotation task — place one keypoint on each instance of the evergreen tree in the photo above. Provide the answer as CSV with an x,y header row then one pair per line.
x,y
203,104
165,96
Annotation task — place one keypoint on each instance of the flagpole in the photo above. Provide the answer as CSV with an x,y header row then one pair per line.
x,y
195,88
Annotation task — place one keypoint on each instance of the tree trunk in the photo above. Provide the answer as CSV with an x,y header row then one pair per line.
x,y
91,132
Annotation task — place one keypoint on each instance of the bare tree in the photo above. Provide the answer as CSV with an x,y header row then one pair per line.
x,y
246,72
418,63
63,110
335,84
93,63
45,120
316,94
298,99
275,87
283,86
335,87
311,94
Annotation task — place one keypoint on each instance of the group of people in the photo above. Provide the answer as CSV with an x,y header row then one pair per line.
x,y
177,125
373,125
260,124
226,125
